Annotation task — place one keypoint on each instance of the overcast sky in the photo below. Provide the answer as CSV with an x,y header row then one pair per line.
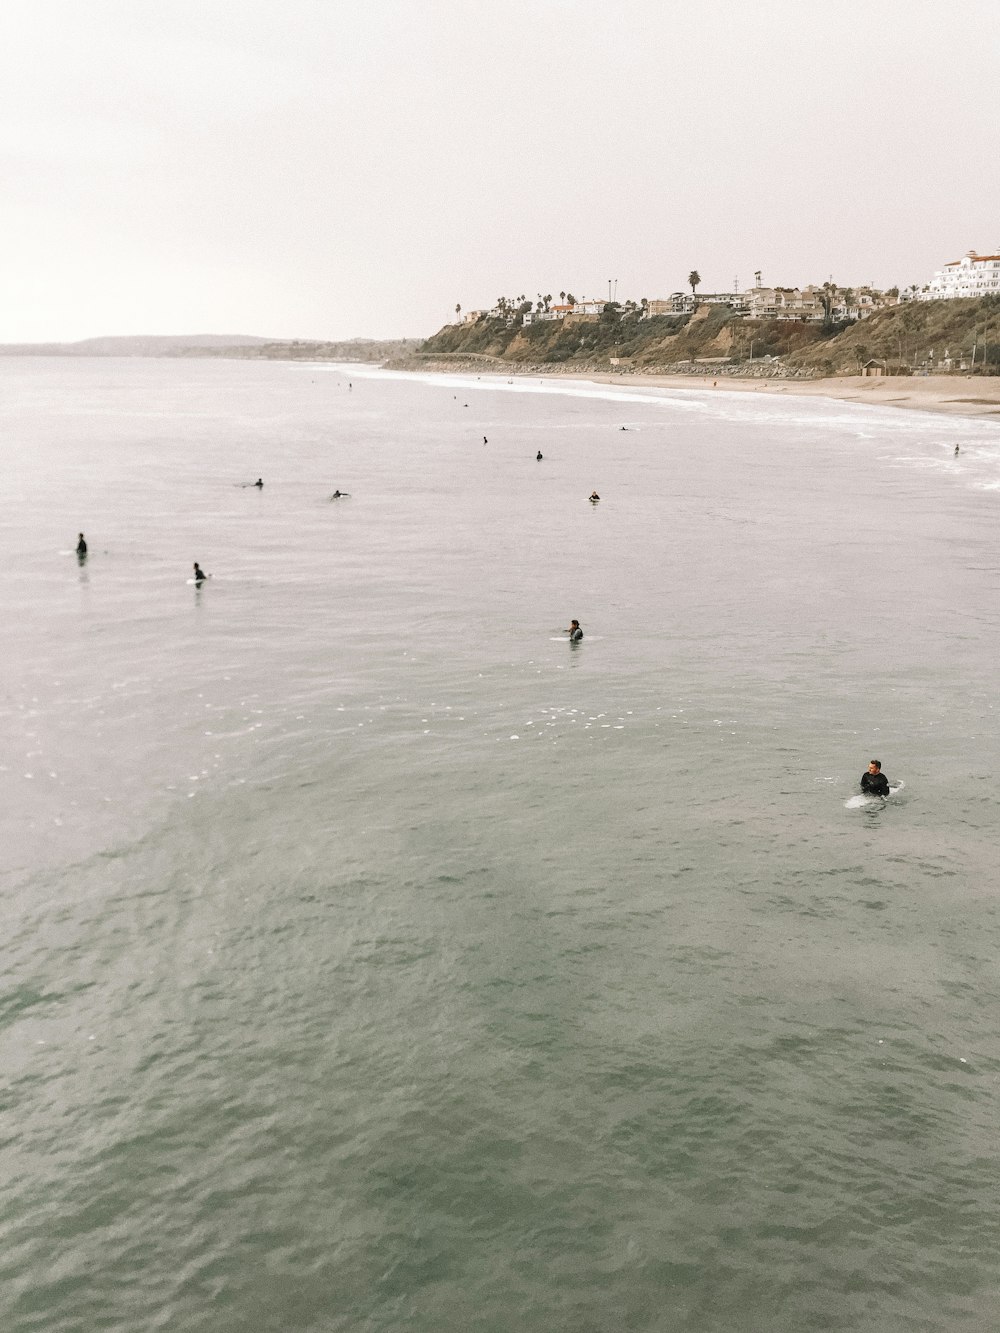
x,y
331,168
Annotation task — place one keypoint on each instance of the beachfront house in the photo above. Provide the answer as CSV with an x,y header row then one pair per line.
x,y
553,313
658,307
589,307
975,275
784,303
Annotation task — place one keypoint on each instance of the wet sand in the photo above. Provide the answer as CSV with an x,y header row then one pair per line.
x,y
955,395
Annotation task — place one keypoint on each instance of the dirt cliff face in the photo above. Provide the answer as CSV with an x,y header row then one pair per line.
x,y
915,335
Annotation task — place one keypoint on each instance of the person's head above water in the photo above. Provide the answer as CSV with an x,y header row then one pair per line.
x,y
875,766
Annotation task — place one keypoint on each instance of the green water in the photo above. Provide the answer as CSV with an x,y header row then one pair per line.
x,y
376,959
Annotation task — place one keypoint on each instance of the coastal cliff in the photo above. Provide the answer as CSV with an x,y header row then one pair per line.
x,y
901,339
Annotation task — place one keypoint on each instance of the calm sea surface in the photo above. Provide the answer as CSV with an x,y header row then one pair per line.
x,y
376,960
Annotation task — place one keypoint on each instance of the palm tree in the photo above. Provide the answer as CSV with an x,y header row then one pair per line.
x,y
562,297
458,313
694,277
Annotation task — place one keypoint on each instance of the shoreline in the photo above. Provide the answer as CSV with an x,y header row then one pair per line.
x,y
950,395
976,397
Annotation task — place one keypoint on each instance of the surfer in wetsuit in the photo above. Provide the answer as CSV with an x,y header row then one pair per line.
x,y
81,546
538,456
199,574
873,781
594,497
259,484
575,632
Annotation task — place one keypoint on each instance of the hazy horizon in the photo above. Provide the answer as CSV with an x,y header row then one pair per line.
x,y
323,171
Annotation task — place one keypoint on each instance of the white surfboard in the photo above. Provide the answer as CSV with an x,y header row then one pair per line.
x,y
862,798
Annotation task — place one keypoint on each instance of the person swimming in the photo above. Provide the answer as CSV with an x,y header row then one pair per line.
x,y
259,484
873,781
594,497
199,574
81,545
575,632
340,495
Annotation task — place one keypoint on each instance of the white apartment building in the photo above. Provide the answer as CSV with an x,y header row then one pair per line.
x,y
975,275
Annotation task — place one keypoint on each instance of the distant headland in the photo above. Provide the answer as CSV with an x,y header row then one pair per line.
x,y
240,345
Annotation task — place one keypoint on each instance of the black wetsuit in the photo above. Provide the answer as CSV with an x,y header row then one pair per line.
x,y
874,784
81,547
575,635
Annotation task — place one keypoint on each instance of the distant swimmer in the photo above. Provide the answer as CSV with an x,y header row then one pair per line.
x,y
594,497
199,574
538,456
873,781
340,495
81,545
575,632
259,484
956,450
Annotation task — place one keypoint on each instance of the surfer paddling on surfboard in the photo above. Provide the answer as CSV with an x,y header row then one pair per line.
x,y
873,781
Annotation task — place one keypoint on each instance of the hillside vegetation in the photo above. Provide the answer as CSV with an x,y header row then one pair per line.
x,y
909,337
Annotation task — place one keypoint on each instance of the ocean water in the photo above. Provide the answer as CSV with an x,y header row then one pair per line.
x,y
375,959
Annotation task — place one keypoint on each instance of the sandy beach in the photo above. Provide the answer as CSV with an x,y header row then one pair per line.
x,y
953,395
956,395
